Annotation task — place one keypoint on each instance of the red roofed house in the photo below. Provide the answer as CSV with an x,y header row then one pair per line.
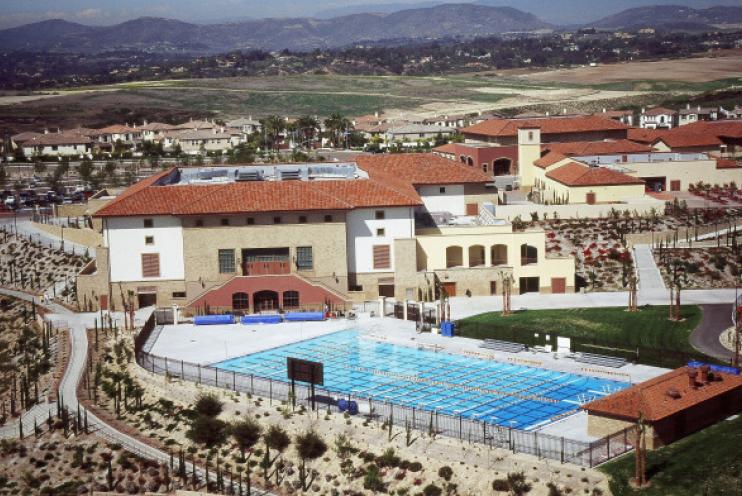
x,y
673,405
263,237
658,118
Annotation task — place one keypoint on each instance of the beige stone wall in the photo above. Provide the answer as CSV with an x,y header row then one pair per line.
x,y
477,280
327,239
687,172
554,190
93,281
83,236
599,426
478,193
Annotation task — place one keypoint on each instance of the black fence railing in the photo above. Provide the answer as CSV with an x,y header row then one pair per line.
x,y
559,448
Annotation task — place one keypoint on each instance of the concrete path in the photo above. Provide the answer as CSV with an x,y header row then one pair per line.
x,y
705,338
26,228
646,269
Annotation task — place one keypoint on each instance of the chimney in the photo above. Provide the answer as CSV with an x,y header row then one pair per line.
x,y
59,130
687,105
692,373
46,131
564,111
644,110
604,110
704,378
699,108
547,114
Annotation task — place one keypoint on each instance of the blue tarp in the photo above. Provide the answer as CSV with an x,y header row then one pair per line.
x,y
261,319
303,316
448,329
213,319
716,368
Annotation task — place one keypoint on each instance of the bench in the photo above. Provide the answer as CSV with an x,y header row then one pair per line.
x,y
507,346
602,360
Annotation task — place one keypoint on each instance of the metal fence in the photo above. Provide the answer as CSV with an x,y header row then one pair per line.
x,y
587,454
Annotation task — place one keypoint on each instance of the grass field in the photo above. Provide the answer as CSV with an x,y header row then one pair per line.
x,y
706,463
612,331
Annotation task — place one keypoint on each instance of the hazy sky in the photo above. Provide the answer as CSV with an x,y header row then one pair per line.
x,y
16,12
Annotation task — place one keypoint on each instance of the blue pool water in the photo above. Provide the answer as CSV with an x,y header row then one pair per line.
x,y
495,392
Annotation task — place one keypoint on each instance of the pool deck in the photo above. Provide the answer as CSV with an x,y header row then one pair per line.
x,y
212,344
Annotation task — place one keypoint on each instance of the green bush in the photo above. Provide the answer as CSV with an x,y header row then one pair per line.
x,y
208,405
445,472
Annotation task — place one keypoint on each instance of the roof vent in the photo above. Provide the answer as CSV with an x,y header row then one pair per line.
x,y
291,174
249,175
673,393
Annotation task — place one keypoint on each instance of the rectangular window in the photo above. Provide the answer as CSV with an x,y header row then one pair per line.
x,y
149,240
199,223
179,294
328,218
148,223
225,222
380,215
302,219
381,232
304,258
150,265
250,221
382,257
226,262
442,189
276,220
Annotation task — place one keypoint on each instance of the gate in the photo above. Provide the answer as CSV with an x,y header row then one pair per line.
x,y
398,311
413,312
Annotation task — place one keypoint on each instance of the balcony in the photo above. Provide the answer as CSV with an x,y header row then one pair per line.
x,y
265,261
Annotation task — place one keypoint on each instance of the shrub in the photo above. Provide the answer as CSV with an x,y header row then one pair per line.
x,y
372,480
432,490
209,405
388,459
208,431
500,485
445,472
415,467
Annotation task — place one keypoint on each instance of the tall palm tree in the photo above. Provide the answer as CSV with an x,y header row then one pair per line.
x,y
273,126
307,127
336,126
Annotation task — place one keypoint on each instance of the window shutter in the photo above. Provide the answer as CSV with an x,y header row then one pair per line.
x,y
382,257
150,265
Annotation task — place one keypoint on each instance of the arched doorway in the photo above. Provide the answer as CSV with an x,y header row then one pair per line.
x,y
240,301
265,300
454,256
528,254
501,167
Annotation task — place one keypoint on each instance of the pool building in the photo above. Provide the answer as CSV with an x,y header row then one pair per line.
x,y
268,237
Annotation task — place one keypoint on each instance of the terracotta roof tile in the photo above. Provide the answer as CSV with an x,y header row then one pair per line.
x,y
660,111
548,125
583,148
51,139
662,396
421,168
646,135
689,139
576,174
549,159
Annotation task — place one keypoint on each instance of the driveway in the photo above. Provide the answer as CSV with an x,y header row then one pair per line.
x,y
705,338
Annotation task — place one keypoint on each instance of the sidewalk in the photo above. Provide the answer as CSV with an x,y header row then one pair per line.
x,y
646,268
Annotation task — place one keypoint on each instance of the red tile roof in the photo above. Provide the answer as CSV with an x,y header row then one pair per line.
x,y
576,174
723,163
584,148
420,169
660,111
646,135
691,139
548,125
116,129
662,396
550,158
447,148
52,139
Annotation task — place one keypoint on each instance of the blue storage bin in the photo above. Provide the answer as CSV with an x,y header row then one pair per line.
x,y
342,405
303,316
213,319
261,319
352,407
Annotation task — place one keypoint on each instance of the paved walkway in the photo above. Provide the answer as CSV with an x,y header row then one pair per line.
x,y
705,338
646,268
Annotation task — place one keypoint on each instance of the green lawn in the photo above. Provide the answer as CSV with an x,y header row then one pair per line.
x,y
612,331
706,463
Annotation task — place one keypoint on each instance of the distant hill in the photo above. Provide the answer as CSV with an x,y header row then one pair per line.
x,y
672,17
165,35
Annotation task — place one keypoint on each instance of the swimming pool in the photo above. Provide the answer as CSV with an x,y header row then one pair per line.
x,y
500,393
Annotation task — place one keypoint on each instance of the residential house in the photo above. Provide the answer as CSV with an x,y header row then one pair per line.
x,y
690,115
248,126
411,134
658,118
60,144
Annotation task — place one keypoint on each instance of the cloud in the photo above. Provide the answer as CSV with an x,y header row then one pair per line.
x,y
89,14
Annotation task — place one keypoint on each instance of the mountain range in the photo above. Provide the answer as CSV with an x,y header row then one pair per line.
x,y
425,23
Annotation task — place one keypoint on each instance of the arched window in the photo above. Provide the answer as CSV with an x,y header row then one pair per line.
x,y
499,255
290,299
454,256
528,254
476,256
240,301
501,167
469,161
265,300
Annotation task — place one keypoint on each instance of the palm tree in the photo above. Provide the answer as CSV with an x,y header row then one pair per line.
x,y
274,125
307,127
336,126
309,446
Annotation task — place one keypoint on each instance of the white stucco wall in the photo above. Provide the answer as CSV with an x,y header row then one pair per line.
x,y
452,200
398,223
125,238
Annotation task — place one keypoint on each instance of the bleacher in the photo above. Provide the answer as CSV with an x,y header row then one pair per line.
x,y
602,360
507,346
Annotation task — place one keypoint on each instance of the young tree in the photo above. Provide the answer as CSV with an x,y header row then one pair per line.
x,y
275,438
246,433
309,447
